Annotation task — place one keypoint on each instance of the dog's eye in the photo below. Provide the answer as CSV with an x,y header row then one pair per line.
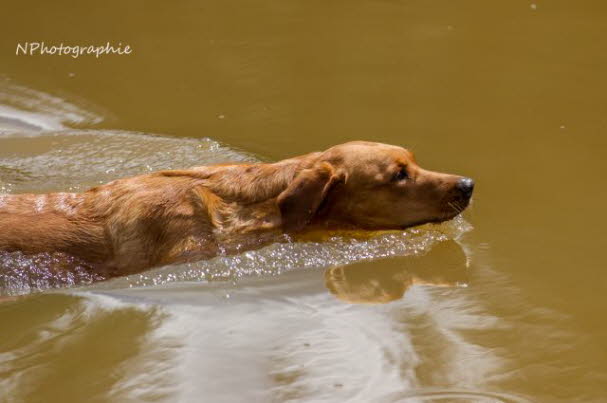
x,y
401,175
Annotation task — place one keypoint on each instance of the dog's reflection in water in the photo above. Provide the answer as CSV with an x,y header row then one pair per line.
x,y
387,280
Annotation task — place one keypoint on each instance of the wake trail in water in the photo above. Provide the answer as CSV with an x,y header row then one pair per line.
x,y
23,108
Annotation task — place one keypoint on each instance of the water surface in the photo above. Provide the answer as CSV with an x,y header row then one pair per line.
x,y
503,304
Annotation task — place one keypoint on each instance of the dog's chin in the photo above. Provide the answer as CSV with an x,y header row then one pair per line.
x,y
447,214
422,222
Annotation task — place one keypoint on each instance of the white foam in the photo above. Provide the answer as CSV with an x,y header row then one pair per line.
x,y
23,108
67,203
40,203
97,302
16,119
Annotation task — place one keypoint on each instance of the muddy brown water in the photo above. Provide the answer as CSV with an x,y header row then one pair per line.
x,y
506,303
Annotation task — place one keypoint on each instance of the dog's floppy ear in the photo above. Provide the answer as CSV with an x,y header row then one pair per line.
x,y
300,200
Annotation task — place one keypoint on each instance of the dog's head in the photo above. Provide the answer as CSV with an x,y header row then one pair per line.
x,y
372,186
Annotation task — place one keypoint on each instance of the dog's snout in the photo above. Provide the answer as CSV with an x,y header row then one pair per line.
x,y
466,186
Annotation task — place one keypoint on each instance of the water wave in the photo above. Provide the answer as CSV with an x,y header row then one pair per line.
x,y
74,160
459,395
23,108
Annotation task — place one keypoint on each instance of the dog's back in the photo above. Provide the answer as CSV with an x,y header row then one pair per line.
x,y
124,225
50,222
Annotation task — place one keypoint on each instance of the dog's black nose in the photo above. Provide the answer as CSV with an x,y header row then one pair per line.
x,y
466,186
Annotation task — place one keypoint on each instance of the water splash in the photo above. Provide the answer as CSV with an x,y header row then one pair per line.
x,y
21,274
282,257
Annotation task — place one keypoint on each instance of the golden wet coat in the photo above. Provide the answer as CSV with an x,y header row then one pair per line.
x,y
135,223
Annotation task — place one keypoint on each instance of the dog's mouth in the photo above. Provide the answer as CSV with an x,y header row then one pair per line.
x,y
451,209
456,207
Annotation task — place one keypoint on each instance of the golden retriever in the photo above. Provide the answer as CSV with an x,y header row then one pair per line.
x,y
132,224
